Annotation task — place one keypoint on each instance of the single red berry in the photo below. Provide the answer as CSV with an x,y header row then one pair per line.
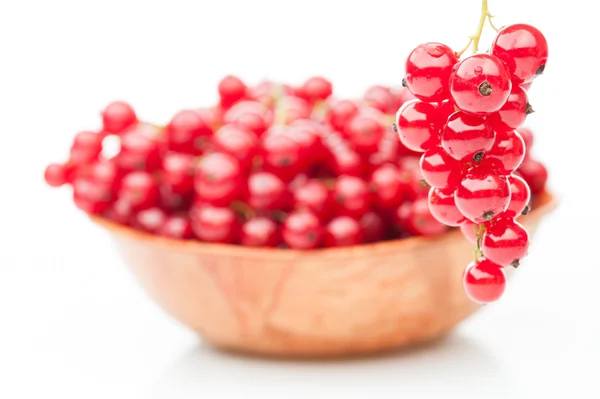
x,y
178,172
418,125
260,232
480,84
428,69
90,197
238,142
381,98
214,224
467,228
365,131
373,226
314,196
482,194
302,230
120,212
467,137
387,187
535,174
150,220
315,89
138,152
513,112
281,154
484,281
88,142
294,108
117,116
508,151
140,190
251,115
266,191
527,136
343,231
188,132
107,176
520,195
307,133
176,226
416,219
55,175
231,90
443,208
352,195
341,112
505,242
343,160
218,179
440,170
523,49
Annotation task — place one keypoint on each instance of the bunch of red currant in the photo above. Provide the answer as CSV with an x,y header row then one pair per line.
x,y
464,120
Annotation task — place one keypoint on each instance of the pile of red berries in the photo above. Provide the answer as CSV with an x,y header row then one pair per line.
x,y
464,120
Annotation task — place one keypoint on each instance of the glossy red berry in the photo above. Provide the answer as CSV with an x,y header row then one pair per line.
x,y
150,220
138,152
341,112
428,69
535,174
466,137
90,197
214,224
351,195
260,232
527,136
513,112
188,132
382,99
314,196
231,90
315,89
302,230
508,151
118,116
107,176
55,175
176,227
482,194
373,226
364,132
281,154
467,228
343,231
443,208
140,190
480,84
484,281
415,218
523,49
178,172
439,169
505,242
520,196
418,125
218,179
387,187
238,142
120,211
89,142
266,191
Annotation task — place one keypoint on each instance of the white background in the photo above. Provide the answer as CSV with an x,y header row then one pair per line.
x,y
73,322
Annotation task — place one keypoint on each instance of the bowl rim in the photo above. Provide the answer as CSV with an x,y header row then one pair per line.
x,y
547,203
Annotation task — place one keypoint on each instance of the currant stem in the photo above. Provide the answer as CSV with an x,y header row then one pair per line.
x,y
489,18
474,39
479,229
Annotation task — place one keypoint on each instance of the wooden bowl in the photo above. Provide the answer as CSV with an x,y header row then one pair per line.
x,y
321,303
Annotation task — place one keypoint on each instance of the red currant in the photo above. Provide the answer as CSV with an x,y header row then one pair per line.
x,y
118,116
381,98
352,195
428,70
365,131
467,137
106,176
467,228
418,125
387,151
188,132
535,174
341,112
294,108
443,208
265,191
150,220
88,142
302,230
440,170
55,175
314,196
482,194
505,242
415,218
138,151
281,153
231,90
178,172
484,281
140,190
260,232
373,226
213,224
388,190
238,142
523,49
527,136
176,227
315,89
90,197
513,112
343,231
251,115
480,84
218,179
120,212
520,195
508,151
